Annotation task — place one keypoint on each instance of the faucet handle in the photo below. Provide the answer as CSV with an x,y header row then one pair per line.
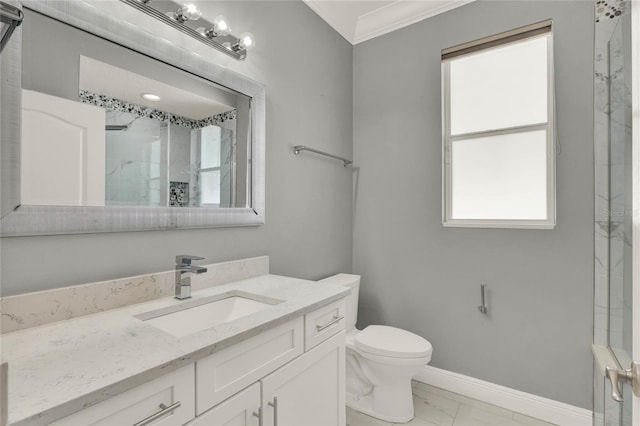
x,y
185,259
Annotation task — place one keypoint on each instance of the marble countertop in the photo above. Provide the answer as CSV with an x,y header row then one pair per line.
x,y
60,368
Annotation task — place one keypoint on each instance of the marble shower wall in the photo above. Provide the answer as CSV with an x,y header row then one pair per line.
x,y
604,30
612,167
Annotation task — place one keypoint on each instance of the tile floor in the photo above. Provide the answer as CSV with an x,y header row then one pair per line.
x,y
434,406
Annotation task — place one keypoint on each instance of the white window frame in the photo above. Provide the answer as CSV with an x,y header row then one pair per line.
x,y
487,44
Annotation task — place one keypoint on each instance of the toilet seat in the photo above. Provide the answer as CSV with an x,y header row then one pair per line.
x,y
391,342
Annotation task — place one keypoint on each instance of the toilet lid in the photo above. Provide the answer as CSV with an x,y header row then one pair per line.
x,y
392,342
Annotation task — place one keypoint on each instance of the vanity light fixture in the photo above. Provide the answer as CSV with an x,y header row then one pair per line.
x,y
10,18
150,97
216,34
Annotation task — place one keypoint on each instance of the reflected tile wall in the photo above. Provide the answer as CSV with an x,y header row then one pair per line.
x,y
133,161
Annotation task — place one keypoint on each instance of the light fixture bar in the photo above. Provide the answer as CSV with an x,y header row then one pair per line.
x,y
144,7
10,18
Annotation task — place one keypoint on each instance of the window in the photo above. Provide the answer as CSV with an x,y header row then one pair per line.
x,y
498,131
210,166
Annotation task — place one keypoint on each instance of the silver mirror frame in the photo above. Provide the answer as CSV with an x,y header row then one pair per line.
x,y
51,220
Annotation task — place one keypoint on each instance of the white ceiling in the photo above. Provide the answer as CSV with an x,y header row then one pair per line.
x,y
361,20
114,82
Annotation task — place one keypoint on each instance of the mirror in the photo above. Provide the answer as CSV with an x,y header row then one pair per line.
x,y
131,133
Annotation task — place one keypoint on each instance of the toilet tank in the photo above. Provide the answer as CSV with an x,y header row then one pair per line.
x,y
352,281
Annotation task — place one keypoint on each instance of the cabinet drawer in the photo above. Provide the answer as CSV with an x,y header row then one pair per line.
x,y
323,323
230,370
143,402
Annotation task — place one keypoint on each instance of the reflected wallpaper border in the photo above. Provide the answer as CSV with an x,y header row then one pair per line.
x,y
106,102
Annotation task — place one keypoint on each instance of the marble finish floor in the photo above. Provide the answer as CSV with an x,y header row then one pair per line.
x,y
434,406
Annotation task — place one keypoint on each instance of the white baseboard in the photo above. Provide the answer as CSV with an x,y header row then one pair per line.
x,y
525,403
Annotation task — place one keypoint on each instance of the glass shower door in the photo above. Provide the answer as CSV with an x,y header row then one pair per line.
x,y
623,261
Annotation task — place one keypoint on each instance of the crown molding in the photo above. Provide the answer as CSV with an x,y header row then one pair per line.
x,y
381,20
399,14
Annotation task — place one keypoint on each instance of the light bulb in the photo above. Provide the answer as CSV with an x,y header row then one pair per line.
x,y
246,41
188,12
221,26
191,11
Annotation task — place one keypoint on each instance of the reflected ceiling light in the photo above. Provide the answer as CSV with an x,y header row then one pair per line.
x,y
150,97
216,34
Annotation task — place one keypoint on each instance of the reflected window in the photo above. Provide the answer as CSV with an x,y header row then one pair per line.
x,y
210,166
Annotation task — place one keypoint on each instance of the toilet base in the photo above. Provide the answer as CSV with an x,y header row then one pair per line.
x,y
365,404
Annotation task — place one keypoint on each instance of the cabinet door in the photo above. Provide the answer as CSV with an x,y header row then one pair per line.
x,y
236,411
309,390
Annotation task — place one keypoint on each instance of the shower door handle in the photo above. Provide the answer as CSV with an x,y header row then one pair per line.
x,y
631,376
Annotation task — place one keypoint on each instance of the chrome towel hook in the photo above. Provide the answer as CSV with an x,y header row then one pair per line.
x,y
483,304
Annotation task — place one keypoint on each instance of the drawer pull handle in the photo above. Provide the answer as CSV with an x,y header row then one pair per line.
x,y
274,404
259,416
330,323
163,410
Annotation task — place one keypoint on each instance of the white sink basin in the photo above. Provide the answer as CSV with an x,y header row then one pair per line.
x,y
200,314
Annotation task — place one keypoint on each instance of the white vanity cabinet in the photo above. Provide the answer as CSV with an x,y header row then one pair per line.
x,y
309,389
306,391
266,380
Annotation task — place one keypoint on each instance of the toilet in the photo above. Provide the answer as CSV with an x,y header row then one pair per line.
x,y
381,361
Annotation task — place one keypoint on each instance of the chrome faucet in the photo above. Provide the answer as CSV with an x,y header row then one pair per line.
x,y
184,269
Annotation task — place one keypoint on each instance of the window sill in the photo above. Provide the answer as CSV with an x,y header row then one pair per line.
x,y
499,224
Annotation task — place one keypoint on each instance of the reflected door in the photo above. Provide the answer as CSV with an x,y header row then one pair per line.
x,y
63,152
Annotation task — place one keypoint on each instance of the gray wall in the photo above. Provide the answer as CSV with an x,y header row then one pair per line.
x,y
307,234
425,278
